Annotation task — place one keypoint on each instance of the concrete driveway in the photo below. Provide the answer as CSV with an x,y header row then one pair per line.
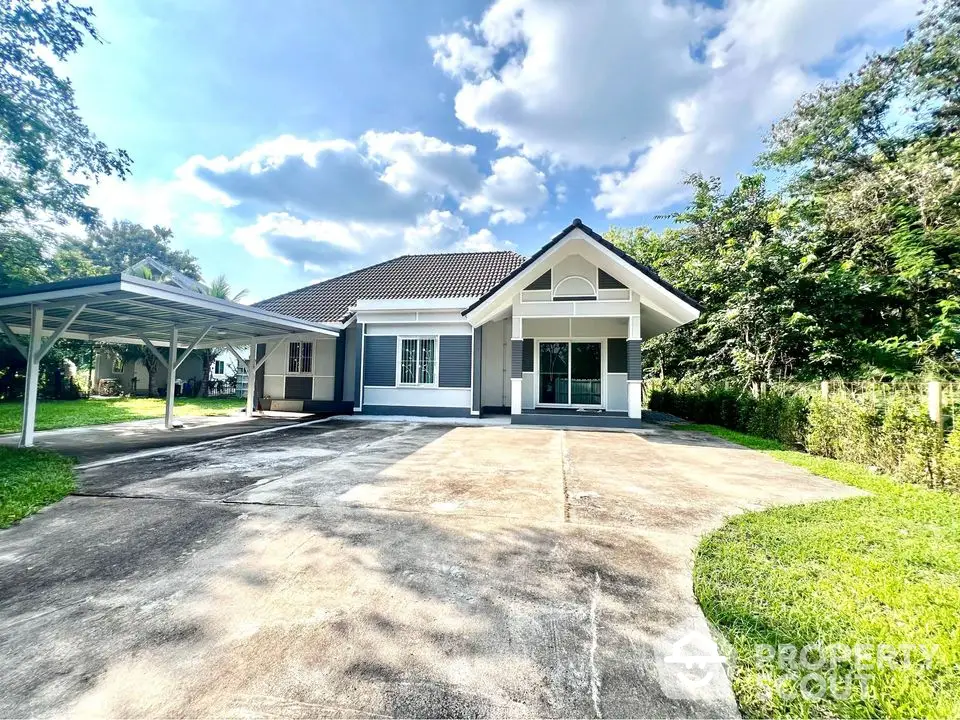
x,y
377,569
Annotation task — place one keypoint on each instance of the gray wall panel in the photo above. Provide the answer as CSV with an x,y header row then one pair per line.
x,y
616,355
634,365
298,387
455,370
380,360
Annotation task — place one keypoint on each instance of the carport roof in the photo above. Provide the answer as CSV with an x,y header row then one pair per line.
x,y
123,308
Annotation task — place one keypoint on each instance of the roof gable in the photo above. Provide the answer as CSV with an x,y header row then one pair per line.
x,y
606,245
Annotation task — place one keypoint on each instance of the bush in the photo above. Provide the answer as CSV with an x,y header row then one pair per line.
x,y
893,435
774,415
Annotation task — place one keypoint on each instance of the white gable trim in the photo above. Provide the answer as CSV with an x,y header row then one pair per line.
x,y
647,290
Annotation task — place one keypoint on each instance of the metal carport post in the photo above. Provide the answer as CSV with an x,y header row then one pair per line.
x,y
111,309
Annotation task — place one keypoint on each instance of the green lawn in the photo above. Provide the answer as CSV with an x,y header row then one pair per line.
x,y
878,569
30,479
71,413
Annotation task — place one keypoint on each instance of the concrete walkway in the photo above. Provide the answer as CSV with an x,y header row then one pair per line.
x,y
379,569
90,443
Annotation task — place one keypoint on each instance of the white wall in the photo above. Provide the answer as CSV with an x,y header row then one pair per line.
x,y
416,329
322,372
418,397
495,364
617,392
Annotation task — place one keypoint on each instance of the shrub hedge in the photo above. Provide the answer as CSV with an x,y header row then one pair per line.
x,y
893,435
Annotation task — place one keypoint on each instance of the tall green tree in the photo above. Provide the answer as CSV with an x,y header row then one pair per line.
x,y
123,243
739,254
874,164
47,154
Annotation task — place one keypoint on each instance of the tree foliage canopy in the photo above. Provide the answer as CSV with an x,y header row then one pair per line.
x,y
47,153
853,267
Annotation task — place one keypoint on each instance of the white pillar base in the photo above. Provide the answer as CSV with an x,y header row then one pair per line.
x,y
516,396
634,398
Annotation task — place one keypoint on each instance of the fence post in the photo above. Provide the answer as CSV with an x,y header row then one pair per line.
x,y
825,389
934,401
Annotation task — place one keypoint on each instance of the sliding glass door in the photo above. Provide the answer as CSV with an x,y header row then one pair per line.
x,y
570,373
585,373
554,373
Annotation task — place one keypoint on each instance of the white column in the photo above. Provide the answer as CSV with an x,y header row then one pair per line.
x,y
171,379
33,377
251,376
516,383
634,378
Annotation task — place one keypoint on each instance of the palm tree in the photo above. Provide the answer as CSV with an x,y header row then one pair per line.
x,y
141,353
221,289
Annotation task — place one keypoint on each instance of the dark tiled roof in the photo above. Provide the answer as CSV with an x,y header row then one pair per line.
x,y
443,275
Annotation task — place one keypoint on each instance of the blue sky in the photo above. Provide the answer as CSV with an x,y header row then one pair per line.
x,y
291,141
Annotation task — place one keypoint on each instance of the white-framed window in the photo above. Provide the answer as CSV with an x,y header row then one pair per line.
x,y
117,365
419,361
300,357
218,367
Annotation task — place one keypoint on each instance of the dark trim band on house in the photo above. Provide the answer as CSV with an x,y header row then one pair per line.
x,y
577,223
358,369
477,367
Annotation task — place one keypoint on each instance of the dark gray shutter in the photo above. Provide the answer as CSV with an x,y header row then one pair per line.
x,y
544,282
528,355
607,282
516,358
455,361
634,364
617,355
380,360
298,388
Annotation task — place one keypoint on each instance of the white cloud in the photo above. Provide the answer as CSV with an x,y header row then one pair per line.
x,y
459,56
761,61
484,240
645,92
333,205
417,163
585,83
329,248
514,190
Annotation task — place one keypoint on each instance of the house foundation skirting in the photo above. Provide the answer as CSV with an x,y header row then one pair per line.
x,y
575,419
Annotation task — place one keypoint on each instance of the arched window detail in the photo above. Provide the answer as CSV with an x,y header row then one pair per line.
x,y
575,287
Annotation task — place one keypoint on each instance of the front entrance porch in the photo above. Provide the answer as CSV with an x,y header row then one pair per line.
x,y
572,417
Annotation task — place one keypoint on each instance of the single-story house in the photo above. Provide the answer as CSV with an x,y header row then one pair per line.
x,y
554,338
132,376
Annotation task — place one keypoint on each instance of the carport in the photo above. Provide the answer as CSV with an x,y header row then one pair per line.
x,y
125,309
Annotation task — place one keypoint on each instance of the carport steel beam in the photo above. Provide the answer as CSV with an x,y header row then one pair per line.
x,y
224,323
